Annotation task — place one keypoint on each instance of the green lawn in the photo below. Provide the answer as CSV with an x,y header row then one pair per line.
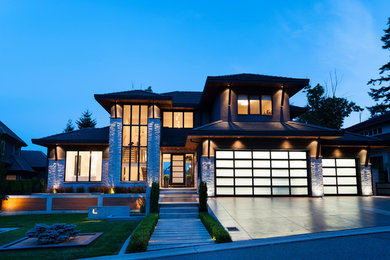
x,y
114,235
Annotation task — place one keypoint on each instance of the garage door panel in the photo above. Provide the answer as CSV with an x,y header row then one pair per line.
x,y
340,176
262,173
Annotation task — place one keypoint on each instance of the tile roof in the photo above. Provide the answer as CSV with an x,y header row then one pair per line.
x,y
35,158
83,136
6,131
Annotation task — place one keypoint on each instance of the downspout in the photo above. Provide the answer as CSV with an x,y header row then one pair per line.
x,y
230,104
282,104
318,150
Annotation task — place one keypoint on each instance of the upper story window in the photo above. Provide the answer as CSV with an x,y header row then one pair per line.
x,y
134,142
83,166
178,119
254,105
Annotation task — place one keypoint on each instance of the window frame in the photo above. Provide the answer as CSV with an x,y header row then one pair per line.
x,y
173,119
260,99
130,146
89,168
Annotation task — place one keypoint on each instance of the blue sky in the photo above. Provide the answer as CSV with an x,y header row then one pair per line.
x,y
54,55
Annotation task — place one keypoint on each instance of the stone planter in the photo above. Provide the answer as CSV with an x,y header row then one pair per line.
x,y
188,181
166,182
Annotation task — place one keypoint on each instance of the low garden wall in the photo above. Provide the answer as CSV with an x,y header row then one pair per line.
x,y
58,202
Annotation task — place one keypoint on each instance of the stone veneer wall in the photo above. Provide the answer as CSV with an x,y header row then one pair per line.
x,y
153,162
366,182
207,173
56,174
317,182
115,152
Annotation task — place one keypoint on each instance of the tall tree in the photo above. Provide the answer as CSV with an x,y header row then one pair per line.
x,y
328,111
381,95
69,126
86,120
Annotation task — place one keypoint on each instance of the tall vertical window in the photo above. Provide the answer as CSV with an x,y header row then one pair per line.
x,y
83,166
178,119
134,142
253,105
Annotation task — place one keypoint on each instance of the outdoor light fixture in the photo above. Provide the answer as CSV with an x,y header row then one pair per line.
x,y
95,211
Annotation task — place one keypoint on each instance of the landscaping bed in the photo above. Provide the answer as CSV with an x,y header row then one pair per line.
x,y
140,238
215,229
109,243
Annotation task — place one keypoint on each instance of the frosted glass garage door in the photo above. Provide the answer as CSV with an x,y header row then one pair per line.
x,y
261,173
340,176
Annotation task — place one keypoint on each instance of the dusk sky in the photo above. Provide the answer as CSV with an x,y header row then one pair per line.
x,y
54,55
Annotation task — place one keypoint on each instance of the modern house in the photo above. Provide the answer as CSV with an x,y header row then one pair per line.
x,y
238,135
378,127
20,164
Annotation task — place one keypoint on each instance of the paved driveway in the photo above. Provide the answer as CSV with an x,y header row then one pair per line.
x,y
273,217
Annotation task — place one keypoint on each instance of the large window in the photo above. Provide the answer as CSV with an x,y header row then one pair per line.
x,y
254,105
178,119
134,142
83,166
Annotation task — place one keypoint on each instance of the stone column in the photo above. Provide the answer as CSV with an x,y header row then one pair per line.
x,y
153,159
56,174
115,152
317,182
207,173
366,182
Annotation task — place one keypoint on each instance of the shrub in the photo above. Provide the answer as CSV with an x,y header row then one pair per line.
x,y
120,189
51,190
69,190
142,208
215,229
140,237
202,196
42,185
105,189
53,234
93,189
80,189
60,190
154,197
19,186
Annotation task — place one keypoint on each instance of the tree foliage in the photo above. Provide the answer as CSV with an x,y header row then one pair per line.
x,y
3,176
381,95
149,89
324,110
69,126
86,120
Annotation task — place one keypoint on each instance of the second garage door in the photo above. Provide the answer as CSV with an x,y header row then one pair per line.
x,y
261,173
340,176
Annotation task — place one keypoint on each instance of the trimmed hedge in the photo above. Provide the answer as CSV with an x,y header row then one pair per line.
x,y
202,196
154,197
215,229
140,237
19,186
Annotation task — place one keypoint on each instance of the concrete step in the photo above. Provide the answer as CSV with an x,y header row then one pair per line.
x,y
178,215
152,247
179,210
383,191
176,191
178,200
163,204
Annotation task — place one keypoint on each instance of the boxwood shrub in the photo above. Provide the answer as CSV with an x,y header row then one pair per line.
x,y
140,237
202,196
215,229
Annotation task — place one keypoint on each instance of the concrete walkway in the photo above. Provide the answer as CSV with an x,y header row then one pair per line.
x,y
178,233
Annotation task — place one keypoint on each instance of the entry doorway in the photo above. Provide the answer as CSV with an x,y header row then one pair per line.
x,y
177,170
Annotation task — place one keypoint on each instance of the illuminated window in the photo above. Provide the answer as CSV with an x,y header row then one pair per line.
x,y
134,142
242,104
83,166
254,105
178,119
266,105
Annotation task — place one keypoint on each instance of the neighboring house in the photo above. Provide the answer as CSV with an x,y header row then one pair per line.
x,y
378,127
20,164
237,135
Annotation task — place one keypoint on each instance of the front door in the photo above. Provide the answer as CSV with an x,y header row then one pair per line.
x,y
177,169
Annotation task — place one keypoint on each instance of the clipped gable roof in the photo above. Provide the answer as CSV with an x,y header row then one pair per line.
x,y
6,131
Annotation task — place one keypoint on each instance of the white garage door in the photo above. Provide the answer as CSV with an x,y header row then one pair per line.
x,y
340,176
261,173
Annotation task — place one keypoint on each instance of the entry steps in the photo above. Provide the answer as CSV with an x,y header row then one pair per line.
x,y
178,204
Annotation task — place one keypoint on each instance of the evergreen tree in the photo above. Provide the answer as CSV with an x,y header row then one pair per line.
x,y
327,111
86,120
381,95
149,89
69,126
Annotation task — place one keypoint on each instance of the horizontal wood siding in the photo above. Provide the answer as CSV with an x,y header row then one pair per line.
x,y
24,204
73,203
133,203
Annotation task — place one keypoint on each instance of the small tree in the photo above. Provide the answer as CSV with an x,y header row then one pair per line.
x,y
324,110
86,120
382,94
202,196
69,126
154,197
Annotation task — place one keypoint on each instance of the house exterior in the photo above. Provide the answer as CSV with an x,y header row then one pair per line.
x,y
238,135
21,164
378,127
